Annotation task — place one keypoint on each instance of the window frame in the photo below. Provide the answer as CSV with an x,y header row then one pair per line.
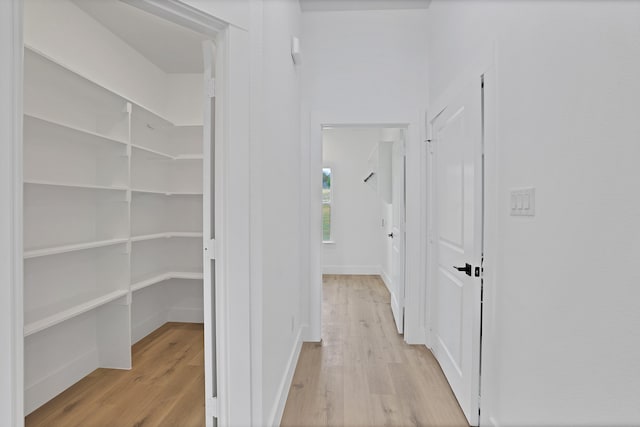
x,y
330,203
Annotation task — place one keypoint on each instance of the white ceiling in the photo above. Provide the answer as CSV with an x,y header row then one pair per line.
x,y
172,48
327,5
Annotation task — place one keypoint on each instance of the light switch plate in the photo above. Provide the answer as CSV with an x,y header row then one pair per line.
x,y
523,202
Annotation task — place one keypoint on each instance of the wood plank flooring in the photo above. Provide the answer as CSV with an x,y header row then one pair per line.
x,y
362,373
164,388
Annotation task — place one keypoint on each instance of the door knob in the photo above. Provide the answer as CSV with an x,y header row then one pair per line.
x,y
466,269
390,235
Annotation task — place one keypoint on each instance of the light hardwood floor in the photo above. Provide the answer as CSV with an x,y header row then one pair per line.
x,y
164,388
362,373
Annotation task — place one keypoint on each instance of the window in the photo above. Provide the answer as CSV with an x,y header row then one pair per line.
x,y
327,198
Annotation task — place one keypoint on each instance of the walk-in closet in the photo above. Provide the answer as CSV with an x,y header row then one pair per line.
x,y
113,190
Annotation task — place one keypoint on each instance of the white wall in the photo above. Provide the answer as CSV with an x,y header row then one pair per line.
x,y
91,50
373,60
11,410
181,91
561,317
235,12
357,231
280,200
365,67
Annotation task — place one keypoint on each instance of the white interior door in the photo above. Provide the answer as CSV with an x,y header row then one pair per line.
x,y
209,233
457,201
398,231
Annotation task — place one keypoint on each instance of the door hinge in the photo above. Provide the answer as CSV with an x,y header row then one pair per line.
x,y
211,407
211,88
429,145
210,248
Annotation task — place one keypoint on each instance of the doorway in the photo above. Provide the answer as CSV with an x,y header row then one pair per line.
x,y
456,246
120,189
363,206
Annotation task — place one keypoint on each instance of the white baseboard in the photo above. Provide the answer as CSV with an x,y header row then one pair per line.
x,y
351,269
150,324
307,336
186,315
47,388
283,391
386,279
398,312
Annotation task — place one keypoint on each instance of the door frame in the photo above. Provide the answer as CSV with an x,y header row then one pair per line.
x,y
482,69
413,122
11,277
232,255
395,308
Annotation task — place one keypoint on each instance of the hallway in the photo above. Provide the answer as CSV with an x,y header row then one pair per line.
x,y
362,373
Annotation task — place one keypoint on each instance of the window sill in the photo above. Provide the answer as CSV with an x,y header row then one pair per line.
x,y
328,242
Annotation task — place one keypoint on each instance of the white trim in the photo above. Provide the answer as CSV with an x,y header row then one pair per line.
x,y
256,20
386,279
11,278
283,391
233,229
395,306
491,233
212,363
39,393
482,63
415,245
185,315
182,14
367,270
146,326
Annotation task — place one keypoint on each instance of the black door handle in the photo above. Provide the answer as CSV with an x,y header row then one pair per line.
x,y
390,235
466,269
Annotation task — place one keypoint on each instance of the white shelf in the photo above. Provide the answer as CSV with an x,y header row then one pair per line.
x,y
71,248
73,185
95,137
166,193
58,313
158,278
153,152
91,83
166,235
163,155
189,157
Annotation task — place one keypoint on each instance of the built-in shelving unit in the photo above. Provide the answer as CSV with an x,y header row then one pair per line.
x,y
152,280
71,248
112,206
52,315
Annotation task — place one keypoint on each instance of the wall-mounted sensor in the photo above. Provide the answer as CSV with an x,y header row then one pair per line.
x,y
295,51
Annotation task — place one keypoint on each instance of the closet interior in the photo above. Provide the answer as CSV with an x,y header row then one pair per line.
x,y
113,182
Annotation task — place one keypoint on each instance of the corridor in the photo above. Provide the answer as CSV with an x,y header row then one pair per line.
x,y
362,373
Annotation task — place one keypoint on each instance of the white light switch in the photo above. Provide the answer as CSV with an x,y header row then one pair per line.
x,y
523,202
